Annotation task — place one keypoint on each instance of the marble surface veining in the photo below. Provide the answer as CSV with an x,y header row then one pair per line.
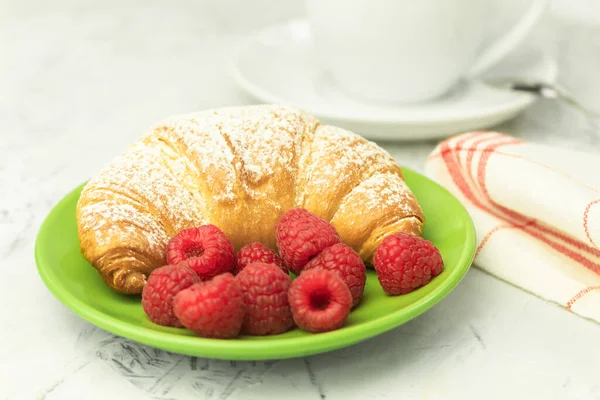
x,y
80,80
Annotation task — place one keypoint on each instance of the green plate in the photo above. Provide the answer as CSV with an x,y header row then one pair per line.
x,y
77,284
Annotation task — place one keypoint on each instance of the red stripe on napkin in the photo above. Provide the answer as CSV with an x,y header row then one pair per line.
x,y
460,140
592,266
579,295
585,221
537,225
523,218
488,235
519,221
472,150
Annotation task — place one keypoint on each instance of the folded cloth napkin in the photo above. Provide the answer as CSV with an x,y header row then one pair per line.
x,y
536,209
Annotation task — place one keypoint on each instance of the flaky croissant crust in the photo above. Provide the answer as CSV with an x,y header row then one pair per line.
x,y
239,168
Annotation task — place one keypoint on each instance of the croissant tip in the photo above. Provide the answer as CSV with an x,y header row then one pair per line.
x,y
126,281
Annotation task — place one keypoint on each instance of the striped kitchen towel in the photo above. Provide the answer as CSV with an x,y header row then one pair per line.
x,y
536,209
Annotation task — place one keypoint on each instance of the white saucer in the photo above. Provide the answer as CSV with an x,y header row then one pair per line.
x,y
278,65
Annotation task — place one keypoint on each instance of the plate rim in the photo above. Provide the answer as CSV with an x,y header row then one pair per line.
x,y
231,349
522,100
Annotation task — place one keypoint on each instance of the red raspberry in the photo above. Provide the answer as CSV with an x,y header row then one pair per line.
x,y
204,249
302,235
320,300
212,309
160,289
405,262
265,288
347,263
257,252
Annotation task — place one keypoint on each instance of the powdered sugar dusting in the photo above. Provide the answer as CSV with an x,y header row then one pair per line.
x,y
380,192
118,220
180,172
233,164
351,153
338,161
143,175
237,148
199,138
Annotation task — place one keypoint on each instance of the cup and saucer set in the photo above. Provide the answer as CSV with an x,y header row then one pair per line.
x,y
398,70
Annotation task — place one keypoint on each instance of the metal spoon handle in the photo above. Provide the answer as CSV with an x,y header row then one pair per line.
x,y
549,91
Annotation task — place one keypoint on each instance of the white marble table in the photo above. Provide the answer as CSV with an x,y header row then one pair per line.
x,y
80,80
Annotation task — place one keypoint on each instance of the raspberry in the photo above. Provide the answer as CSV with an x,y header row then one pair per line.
x,y
405,262
212,309
265,288
160,289
204,249
347,263
320,300
257,252
301,235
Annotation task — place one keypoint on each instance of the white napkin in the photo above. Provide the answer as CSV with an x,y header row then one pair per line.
x,y
536,209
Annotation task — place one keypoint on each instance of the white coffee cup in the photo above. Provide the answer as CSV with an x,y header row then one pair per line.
x,y
405,51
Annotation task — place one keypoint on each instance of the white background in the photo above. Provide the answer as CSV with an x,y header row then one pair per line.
x,y
80,80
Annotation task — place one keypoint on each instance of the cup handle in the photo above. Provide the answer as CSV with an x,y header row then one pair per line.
x,y
506,43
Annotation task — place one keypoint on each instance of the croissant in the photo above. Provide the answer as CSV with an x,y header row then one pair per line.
x,y
239,168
